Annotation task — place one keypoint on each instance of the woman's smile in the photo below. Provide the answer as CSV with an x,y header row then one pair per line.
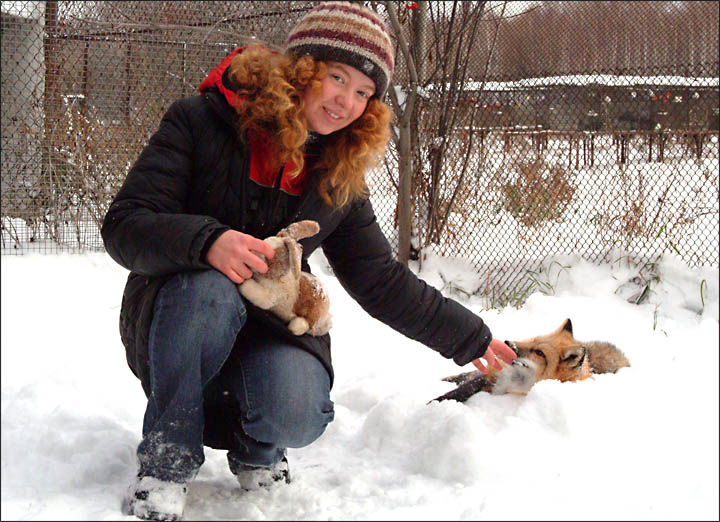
x,y
332,114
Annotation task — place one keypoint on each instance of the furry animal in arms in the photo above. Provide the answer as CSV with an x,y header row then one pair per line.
x,y
557,355
296,297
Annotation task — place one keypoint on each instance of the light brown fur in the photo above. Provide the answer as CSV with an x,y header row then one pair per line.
x,y
557,355
312,302
296,297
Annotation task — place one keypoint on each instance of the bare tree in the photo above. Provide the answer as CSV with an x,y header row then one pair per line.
x,y
436,101
405,109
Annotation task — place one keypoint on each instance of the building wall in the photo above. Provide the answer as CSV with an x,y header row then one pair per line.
x,y
23,77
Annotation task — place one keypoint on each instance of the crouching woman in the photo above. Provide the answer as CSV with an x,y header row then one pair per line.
x,y
270,139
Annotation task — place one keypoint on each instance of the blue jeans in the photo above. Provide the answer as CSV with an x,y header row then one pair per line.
x,y
283,391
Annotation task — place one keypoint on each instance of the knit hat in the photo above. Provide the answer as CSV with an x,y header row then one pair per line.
x,y
346,33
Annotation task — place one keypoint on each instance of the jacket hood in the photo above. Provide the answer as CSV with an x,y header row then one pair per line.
x,y
215,79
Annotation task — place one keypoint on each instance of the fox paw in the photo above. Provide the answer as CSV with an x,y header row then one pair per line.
x,y
517,378
298,325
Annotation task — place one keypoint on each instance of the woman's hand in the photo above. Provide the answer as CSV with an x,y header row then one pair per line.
x,y
496,350
236,255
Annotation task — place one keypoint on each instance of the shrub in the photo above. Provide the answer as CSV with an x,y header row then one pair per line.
x,y
537,192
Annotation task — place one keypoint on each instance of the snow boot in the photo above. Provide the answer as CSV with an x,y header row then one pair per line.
x,y
154,499
252,478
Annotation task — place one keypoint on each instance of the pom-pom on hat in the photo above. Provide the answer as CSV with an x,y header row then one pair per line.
x,y
346,33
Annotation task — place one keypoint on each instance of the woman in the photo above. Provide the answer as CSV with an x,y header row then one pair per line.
x,y
271,139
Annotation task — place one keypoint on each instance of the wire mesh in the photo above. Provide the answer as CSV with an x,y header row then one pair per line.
x,y
543,129
538,128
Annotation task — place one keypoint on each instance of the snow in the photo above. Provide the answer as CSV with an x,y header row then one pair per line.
x,y
593,79
639,444
28,10
160,497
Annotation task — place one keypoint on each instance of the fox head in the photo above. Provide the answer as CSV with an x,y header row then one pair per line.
x,y
556,355
288,252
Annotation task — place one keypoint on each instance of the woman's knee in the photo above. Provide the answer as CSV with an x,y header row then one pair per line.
x,y
204,292
196,319
293,407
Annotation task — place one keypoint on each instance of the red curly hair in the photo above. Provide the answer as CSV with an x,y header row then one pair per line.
x,y
272,85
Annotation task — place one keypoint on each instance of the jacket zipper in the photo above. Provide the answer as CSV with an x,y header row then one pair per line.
x,y
274,198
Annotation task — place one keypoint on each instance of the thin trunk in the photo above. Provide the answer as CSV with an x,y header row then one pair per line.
x,y
405,116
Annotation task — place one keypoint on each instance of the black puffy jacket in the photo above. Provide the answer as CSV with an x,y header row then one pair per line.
x,y
192,182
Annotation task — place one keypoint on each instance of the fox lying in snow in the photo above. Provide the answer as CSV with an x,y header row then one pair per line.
x,y
557,355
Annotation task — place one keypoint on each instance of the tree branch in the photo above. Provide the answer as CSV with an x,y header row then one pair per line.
x,y
402,41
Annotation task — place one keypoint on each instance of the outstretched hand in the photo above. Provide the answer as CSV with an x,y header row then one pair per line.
x,y
496,350
236,255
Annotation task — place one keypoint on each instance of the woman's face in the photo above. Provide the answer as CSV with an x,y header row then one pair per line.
x,y
342,99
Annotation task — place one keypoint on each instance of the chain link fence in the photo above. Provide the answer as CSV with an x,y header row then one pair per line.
x,y
537,129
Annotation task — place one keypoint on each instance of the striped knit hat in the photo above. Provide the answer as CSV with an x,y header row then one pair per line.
x,y
346,33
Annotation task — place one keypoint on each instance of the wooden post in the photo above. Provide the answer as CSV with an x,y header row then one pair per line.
x,y
621,140
482,145
52,101
662,150
86,63
577,151
127,79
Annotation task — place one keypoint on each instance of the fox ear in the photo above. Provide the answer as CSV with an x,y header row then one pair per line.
x,y
300,229
576,353
567,325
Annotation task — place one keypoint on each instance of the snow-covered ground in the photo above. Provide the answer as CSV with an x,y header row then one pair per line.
x,y
639,444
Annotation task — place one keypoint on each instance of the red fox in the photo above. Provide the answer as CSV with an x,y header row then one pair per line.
x,y
557,355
